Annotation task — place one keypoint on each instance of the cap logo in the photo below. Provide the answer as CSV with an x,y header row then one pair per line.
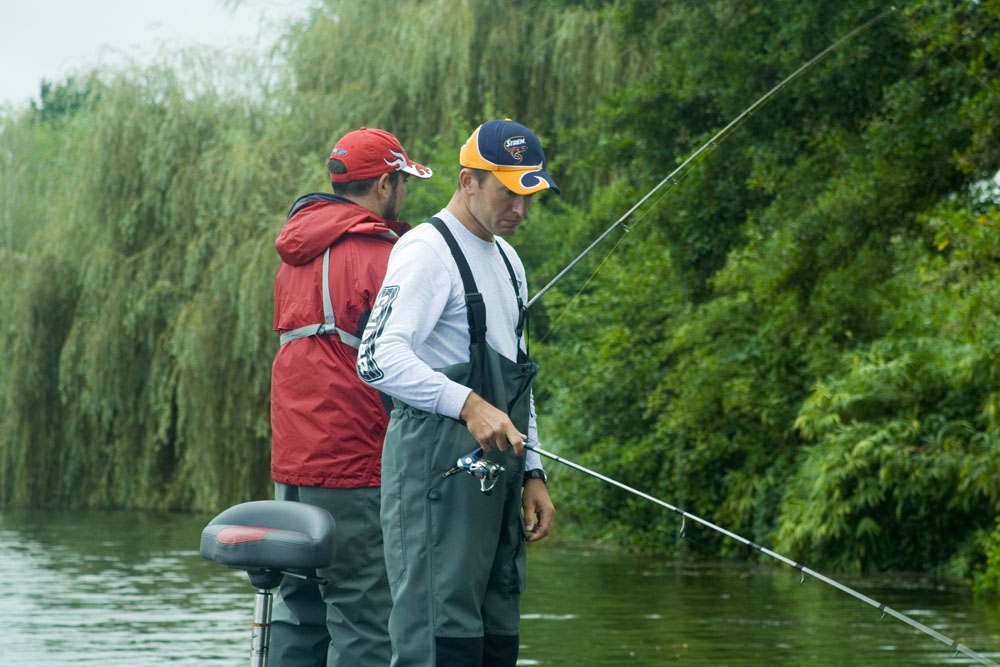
x,y
340,151
399,162
515,146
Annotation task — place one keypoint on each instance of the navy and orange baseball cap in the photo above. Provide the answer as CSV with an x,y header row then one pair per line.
x,y
512,152
367,153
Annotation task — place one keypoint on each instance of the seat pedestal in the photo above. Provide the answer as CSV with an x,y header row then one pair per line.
x,y
266,538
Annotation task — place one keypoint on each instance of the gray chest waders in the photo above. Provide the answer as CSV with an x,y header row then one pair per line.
x,y
455,556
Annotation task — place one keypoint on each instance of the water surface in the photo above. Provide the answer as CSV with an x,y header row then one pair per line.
x,y
129,588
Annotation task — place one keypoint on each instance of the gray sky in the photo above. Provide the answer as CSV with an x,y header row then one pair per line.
x,y
51,39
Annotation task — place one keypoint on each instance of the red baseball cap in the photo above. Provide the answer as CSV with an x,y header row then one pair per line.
x,y
368,153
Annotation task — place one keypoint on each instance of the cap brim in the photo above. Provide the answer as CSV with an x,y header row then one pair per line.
x,y
416,169
526,181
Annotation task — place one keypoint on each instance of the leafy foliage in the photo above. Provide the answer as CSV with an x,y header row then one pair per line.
x,y
795,249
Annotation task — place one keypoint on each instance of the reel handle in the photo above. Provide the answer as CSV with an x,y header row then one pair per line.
x,y
486,471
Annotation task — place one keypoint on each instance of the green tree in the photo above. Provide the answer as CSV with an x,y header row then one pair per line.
x,y
783,246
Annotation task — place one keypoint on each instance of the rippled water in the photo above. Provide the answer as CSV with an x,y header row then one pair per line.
x,y
116,588
610,609
129,588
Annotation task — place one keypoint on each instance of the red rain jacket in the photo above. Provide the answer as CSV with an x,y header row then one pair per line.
x,y
327,425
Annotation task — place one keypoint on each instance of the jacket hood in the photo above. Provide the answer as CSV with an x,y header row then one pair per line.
x,y
318,220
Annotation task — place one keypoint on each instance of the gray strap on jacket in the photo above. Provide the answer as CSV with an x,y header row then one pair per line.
x,y
329,325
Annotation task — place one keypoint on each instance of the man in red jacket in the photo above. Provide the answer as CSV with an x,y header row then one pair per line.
x,y
327,425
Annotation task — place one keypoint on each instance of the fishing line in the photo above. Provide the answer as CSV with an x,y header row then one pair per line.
x,y
600,265
718,137
983,83
592,503
803,570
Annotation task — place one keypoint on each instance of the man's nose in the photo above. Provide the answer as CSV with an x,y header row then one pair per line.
x,y
521,205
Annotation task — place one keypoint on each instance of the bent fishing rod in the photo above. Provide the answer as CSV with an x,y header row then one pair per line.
x,y
714,141
958,648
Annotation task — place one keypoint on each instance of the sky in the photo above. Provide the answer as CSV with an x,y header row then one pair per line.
x,y
51,39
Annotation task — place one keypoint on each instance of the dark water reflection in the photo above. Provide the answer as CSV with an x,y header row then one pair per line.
x,y
129,588
615,609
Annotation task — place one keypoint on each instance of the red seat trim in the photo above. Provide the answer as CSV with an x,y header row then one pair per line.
x,y
238,534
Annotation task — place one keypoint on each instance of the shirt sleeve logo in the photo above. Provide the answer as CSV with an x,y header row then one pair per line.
x,y
368,370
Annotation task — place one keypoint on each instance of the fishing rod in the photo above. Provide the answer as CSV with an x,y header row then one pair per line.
x,y
717,138
959,648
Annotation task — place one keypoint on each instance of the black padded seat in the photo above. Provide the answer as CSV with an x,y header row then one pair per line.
x,y
270,535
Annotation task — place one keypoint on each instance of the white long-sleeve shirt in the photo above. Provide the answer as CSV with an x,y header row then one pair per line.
x,y
419,321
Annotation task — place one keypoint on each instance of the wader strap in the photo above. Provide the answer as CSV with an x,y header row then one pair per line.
x,y
475,306
522,312
329,325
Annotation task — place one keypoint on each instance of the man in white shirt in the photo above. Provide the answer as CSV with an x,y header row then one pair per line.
x,y
445,340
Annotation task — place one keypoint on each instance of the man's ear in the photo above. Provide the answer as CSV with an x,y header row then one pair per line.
x,y
467,180
384,186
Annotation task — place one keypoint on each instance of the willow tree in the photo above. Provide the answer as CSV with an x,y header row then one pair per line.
x,y
444,66
141,207
144,289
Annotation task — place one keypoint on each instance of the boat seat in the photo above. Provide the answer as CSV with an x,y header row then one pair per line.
x,y
270,535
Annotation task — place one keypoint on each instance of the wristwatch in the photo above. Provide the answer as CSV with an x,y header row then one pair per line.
x,y
536,473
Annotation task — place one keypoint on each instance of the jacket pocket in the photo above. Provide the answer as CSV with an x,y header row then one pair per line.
x,y
393,525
